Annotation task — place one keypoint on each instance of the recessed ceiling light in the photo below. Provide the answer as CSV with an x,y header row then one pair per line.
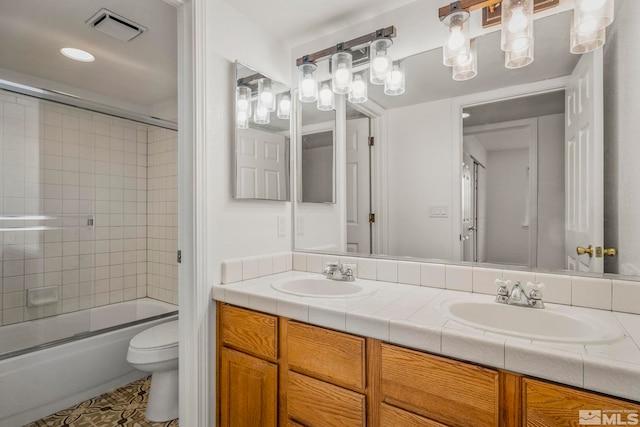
x,y
77,54
465,115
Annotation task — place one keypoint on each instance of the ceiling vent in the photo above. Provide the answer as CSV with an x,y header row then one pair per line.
x,y
115,25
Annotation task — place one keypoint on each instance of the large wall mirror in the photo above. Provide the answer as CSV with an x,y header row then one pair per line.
x,y
262,136
493,169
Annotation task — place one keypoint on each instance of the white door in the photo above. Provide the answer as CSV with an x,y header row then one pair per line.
x,y
261,165
358,227
584,137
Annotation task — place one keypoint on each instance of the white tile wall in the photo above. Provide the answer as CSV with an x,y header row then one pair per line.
x,y
70,164
235,270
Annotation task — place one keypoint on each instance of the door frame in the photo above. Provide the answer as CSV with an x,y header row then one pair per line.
x,y
462,102
378,129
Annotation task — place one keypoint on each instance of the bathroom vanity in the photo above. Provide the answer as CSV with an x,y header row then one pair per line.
x,y
298,374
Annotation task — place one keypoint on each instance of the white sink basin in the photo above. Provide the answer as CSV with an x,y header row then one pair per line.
x,y
555,324
323,288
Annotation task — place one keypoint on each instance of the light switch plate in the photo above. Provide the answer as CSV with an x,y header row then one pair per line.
x,y
438,211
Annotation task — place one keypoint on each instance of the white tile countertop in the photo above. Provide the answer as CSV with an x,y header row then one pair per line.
x,y
413,316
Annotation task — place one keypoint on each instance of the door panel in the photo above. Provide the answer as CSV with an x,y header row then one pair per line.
x,y
261,164
358,205
584,139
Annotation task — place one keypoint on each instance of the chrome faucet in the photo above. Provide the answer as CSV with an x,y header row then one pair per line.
x,y
337,271
518,296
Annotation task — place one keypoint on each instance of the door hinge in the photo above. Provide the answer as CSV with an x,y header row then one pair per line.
x,y
371,141
179,257
372,218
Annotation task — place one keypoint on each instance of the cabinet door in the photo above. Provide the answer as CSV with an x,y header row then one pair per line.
x,y
553,405
248,390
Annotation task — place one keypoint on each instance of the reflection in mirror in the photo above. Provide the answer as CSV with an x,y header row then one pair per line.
x,y
316,155
538,198
262,136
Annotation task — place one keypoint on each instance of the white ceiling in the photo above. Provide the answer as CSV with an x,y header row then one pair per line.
x,y
298,21
142,71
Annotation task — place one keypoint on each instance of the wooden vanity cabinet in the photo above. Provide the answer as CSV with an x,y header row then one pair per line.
x,y
275,371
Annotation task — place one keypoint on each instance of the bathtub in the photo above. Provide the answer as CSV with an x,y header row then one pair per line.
x,y
50,364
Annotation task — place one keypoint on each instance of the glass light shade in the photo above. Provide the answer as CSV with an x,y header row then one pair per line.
x,y
519,58
592,15
326,97
307,84
243,99
266,97
341,72
242,119
284,107
261,115
379,61
517,24
394,83
457,45
469,69
358,92
583,43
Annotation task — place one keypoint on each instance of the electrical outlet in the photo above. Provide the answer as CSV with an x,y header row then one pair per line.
x,y
282,226
300,225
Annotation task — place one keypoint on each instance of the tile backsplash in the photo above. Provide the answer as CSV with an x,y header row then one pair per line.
x,y
605,294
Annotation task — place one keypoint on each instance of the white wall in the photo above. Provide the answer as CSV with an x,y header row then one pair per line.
x,y
419,175
237,227
622,127
551,192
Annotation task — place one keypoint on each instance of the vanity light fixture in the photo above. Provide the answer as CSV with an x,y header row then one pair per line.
x,y
284,107
266,98
457,45
348,63
469,69
243,106
77,54
261,115
326,97
358,92
307,84
517,25
395,81
590,17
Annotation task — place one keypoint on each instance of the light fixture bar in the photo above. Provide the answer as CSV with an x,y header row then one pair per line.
x,y
491,9
389,32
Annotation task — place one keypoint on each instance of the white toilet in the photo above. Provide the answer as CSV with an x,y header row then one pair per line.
x,y
155,350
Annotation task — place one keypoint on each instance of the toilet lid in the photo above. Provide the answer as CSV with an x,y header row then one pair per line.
x,y
160,336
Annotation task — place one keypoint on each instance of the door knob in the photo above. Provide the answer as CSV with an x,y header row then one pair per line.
x,y
581,251
610,252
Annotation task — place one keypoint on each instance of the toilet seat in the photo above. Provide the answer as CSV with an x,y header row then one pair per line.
x,y
156,344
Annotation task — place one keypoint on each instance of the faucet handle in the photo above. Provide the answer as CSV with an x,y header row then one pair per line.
x,y
503,286
535,289
330,266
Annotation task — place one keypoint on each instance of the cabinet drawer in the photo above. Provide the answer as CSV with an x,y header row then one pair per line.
x,y
553,405
327,355
315,403
448,391
391,416
246,330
